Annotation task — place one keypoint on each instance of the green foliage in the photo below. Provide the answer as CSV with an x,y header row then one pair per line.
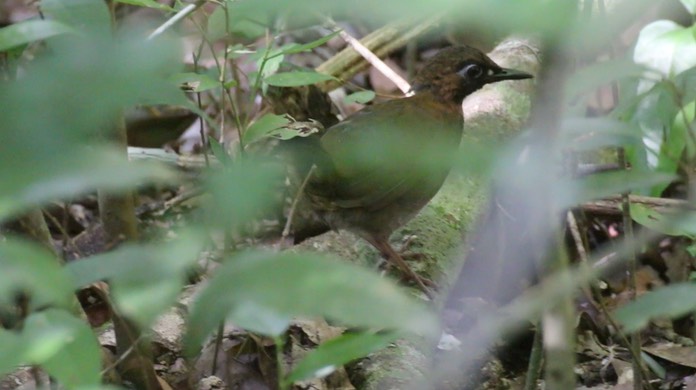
x,y
145,279
296,79
31,271
30,31
670,301
264,127
338,351
282,285
52,131
62,344
361,97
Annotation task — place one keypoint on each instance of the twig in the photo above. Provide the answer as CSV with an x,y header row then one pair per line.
x,y
293,207
184,12
375,61
612,205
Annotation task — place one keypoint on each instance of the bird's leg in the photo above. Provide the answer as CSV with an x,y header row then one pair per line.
x,y
393,256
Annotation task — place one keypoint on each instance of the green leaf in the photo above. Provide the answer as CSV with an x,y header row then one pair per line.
x,y
339,351
680,223
670,301
361,97
667,47
242,191
591,77
60,152
297,48
145,279
33,271
64,346
690,6
195,81
296,79
263,127
90,17
148,4
304,284
601,185
246,20
61,176
32,30
219,151
10,353
593,133
678,139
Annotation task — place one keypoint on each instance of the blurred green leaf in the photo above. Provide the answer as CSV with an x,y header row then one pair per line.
x,y
29,31
60,176
690,5
604,184
667,47
670,301
90,17
361,97
148,4
263,127
261,319
10,355
33,271
219,151
296,284
593,133
591,77
58,151
145,279
339,351
685,84
680,223
196,81
678,139
296,79
64,346
298,48
242,19
243,190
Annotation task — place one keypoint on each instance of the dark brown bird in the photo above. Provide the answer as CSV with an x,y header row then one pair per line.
x,y
379,167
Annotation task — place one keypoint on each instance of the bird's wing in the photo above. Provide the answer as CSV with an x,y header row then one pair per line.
x,y
384,152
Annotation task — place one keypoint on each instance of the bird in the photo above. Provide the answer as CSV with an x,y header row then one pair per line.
x,y
379,167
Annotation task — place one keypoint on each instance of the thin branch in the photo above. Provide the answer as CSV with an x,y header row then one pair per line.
x,y
375,61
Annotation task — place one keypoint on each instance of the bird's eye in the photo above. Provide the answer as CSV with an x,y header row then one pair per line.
x,y
473,71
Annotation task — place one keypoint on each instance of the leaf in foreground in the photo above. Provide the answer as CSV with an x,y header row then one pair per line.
x,y
304,284
671,301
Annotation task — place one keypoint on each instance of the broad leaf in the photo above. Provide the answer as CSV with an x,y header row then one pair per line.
x,y
263,127
147,3
34,272
243,190
671,301
90,17
64,346
296,79
303,284
679,223
690,6
339,351
146,279
195,81
32,30
361,97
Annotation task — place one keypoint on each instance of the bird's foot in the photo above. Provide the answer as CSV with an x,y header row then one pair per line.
x,y
406,252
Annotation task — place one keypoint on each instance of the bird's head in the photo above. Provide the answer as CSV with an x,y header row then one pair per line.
x,y
455,72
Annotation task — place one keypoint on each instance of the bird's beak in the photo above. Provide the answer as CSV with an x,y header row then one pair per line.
x,y
508,74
